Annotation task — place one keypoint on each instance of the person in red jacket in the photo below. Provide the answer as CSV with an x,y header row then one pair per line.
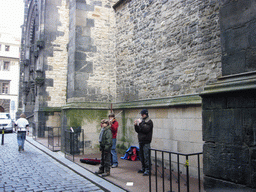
x,y
114,128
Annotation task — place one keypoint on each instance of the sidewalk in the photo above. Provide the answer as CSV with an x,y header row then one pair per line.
x,y
125,176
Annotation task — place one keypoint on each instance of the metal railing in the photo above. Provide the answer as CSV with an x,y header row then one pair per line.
x,y
74,142
170,175
54,138
34,132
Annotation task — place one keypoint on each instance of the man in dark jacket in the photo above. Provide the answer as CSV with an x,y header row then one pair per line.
x,y
144,128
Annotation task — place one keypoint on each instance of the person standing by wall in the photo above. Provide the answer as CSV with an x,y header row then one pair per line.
x,y
144,128
114,128
22,128
105,140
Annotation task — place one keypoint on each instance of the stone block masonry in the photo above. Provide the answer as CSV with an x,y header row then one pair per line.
x,y
57,60
170,48
229,105
230,135
177,129
238,37
91,52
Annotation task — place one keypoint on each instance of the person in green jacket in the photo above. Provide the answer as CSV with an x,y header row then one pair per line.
x,y
105,140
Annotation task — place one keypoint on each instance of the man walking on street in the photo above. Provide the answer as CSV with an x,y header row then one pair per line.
x,y
144,128
22,124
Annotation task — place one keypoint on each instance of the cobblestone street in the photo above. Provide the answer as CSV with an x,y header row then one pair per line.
x,y
32,170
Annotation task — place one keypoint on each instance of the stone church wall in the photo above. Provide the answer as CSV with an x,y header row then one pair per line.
x,y
149,54
170,48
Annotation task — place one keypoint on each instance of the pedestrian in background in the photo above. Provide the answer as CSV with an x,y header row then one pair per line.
x,y
114,127
105,140
144,128
22,129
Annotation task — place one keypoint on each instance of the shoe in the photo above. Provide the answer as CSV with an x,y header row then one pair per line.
x,y
146,173
19,148
141,171
106,174
99,172
115,166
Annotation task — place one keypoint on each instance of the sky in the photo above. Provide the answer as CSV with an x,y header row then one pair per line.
x,y
11,16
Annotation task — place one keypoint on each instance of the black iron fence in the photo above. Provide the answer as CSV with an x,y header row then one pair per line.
x,y
39,131
54,138
177,177
74,142
34,132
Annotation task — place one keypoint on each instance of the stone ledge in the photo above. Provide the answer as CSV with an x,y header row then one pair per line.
x,y
50,109
232,83
86,105
161,102
217,185
150,103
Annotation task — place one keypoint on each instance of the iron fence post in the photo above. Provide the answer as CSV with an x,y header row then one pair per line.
x,y
199,182
170,162
163,168
187,172
73,145
178,161
65,142
156,167
149,170
48,137
3,136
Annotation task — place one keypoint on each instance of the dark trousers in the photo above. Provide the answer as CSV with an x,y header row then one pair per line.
x,y
105,161
144,155
21,137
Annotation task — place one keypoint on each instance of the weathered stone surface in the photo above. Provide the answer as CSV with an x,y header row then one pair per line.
x,y
91,52
227,162
237,21
162,44
218,185
229,129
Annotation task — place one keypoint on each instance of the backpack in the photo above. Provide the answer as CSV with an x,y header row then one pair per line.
x,y
132,154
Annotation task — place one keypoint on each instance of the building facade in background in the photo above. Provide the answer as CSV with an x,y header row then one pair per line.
x,y
9,73
80,59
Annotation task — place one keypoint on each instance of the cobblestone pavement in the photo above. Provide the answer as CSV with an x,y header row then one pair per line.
x,y
32,170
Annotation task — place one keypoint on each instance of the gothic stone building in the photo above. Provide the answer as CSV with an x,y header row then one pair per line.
x,y
82,58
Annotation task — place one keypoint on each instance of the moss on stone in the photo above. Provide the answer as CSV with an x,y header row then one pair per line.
x,y
76,117
121,148
124,123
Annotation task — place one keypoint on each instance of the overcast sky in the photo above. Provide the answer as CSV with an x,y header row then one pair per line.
x,y
11,16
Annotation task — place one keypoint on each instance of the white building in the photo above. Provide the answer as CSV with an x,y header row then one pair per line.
x,y
9,73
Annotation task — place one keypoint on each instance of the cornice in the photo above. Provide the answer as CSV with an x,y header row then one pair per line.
x,y
184,100
232,83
